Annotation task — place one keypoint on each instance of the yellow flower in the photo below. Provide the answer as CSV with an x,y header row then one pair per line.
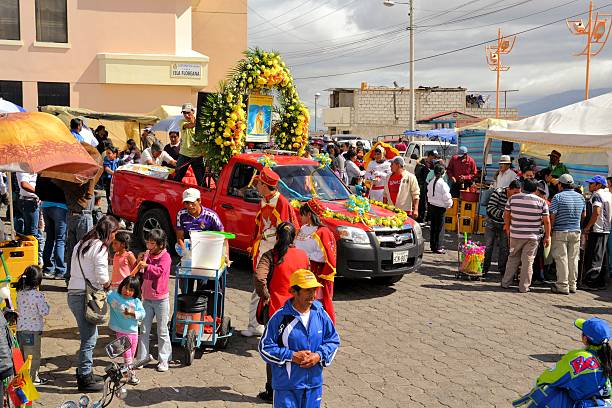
x,y
233,116
256,60
226,143
218,140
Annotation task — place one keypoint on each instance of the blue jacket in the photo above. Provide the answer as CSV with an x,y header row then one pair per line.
x,y
119,322
577,380
286,334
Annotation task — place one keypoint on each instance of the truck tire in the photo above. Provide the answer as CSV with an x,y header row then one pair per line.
x,y
155,218
387,280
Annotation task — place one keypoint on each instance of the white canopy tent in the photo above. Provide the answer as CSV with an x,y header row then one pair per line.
x,y
581,132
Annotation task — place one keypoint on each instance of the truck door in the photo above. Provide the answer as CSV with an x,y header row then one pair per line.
x,y
238,205
413,148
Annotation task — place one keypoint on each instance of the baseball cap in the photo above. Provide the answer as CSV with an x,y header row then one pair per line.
x,y
304,279
191,194
542,186
463,150
597,179
505,159
566,179
148,129
595,329
187,107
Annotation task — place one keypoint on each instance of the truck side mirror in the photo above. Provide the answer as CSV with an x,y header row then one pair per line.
x,y
251,196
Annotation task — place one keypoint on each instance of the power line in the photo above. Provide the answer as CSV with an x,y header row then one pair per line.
x,y
292,19
282,14
445,52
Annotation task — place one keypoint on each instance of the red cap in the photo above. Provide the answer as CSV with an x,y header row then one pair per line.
x,y
268,176
316,206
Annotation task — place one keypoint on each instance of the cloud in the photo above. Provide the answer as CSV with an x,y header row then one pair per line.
x,y
319,38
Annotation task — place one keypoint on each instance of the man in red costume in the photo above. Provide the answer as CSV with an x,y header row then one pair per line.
x,y
274,209
319,244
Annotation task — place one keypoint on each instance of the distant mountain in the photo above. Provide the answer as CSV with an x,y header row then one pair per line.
x,y
555,101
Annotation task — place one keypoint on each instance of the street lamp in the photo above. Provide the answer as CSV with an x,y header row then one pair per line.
x,y
391,3
317,95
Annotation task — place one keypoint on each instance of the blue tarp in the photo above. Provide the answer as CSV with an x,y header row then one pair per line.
x,y
444,135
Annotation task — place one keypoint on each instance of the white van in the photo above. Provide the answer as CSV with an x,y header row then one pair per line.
x,y
421,147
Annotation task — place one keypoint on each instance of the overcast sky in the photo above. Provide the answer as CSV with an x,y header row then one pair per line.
x,y
325,37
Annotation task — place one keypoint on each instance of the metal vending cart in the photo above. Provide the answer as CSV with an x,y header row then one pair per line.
x,y
212,328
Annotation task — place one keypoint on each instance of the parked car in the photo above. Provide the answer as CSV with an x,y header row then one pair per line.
x,y
353,139
420,149
383,253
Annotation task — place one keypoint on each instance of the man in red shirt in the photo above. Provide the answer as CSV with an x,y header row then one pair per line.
x,y
461,171
402,188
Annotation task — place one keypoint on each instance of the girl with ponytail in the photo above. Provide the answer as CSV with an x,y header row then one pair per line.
x,y
272,280
439,199
582,377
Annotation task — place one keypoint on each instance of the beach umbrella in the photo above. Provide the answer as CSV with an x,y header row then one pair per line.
x,y
9,107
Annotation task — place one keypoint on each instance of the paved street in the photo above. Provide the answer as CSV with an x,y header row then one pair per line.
x,y
431,340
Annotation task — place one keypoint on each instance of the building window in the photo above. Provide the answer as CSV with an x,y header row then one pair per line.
x,y
51,21
53,93
12,91
9,20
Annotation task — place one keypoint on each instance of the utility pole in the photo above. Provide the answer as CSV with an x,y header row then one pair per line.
x,y
317,95
597,32
493,54
410,4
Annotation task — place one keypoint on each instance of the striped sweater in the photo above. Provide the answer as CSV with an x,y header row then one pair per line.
x,y
496,205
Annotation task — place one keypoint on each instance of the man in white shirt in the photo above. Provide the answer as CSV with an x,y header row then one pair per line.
x,y
505,175
29,207
377,172
87,134
154,155
596,232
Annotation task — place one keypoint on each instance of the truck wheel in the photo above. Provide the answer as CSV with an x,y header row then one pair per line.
x,y
387,280
152,219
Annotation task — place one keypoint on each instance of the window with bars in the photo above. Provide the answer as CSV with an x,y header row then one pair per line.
x,y
12,91
53,93
9,20
51,21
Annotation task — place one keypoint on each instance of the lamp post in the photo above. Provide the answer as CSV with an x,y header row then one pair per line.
x,y
317,95
596,31
493,54
391,3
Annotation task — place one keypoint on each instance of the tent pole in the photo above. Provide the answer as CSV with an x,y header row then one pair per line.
x,y
11,203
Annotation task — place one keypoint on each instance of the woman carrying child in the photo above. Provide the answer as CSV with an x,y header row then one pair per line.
x,y
126,312
32,307
155,264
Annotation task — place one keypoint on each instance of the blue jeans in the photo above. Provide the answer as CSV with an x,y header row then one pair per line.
x,y
77,226
30,212
88,333
160,310
55,230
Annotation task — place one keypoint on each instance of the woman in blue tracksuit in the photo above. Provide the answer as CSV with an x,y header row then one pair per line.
x,y
300,339
581,378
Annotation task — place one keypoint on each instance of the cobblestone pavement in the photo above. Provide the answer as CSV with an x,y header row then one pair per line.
x,y
431,340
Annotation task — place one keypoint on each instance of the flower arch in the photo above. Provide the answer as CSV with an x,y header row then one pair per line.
x,y
222,119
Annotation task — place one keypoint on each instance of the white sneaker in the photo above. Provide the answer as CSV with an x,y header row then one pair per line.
x,y
162,367
251,333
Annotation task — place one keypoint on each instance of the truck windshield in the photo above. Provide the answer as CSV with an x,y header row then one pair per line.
x,y
296,183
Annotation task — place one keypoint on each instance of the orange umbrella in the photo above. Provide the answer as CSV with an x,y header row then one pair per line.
x,y
390,152
37,142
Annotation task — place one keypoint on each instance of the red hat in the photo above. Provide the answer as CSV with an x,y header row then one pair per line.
x,y
316,206
268,176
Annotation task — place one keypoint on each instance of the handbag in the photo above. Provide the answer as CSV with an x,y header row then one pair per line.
x,y
97,310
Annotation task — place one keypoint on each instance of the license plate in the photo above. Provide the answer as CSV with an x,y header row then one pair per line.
x,y
400,257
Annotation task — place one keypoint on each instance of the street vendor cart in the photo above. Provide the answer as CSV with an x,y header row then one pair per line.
x,y
199,316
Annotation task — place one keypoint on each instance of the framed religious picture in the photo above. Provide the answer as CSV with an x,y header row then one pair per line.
x,y
259,118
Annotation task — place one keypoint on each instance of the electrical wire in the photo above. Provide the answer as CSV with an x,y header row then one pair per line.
x,y
445,52
291,19
281,15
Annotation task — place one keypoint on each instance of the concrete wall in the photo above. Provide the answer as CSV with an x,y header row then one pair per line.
x,y
374,113
137,28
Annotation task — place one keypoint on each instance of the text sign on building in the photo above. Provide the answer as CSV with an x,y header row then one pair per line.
x,y
187,71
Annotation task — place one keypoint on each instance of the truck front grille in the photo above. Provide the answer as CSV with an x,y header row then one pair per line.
x,y
393,238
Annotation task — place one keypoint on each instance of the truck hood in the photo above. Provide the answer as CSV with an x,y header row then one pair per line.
x,y
375,211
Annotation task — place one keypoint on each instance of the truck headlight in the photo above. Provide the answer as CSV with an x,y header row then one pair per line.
x,y
355,235
418,232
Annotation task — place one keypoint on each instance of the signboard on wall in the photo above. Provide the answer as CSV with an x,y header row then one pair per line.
x,y
187,71
259,118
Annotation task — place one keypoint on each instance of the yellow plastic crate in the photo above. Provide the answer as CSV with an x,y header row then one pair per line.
x,y
452,212
466,224
18,258
450,223
482,224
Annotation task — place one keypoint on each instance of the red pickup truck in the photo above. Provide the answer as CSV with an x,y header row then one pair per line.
x,y
383,253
